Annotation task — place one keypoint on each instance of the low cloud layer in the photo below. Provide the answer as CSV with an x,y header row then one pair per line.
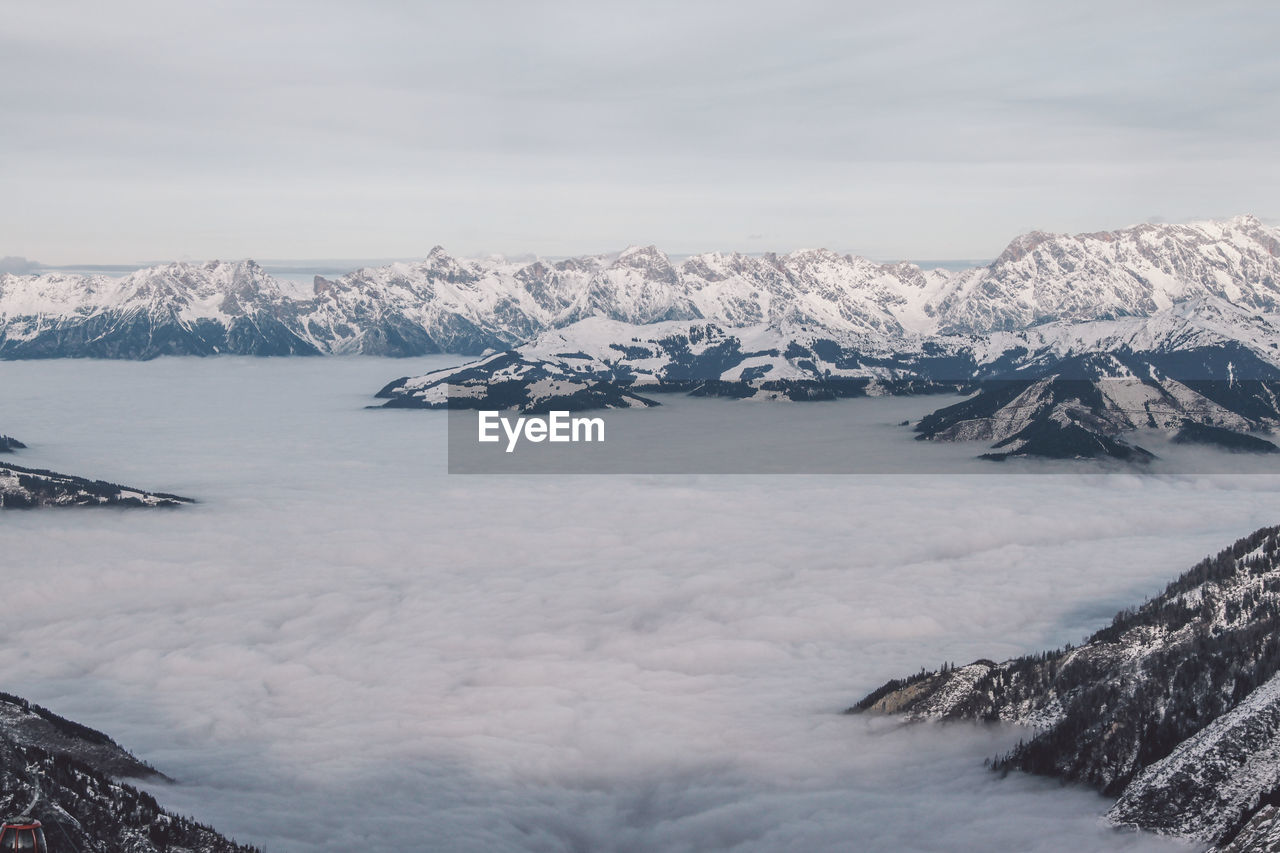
x,y
342,642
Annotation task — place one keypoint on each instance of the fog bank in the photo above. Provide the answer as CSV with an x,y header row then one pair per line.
x,y
341,629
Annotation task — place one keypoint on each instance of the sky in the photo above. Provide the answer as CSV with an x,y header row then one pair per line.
x,y
140,130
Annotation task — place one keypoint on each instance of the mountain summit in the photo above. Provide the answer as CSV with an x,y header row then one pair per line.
x,y
449,304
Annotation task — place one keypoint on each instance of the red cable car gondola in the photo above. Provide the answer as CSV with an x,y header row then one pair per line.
x,y
23,833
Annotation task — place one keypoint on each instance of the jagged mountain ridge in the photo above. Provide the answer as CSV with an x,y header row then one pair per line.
x,y
172,309
1172,707
1131,272
447,304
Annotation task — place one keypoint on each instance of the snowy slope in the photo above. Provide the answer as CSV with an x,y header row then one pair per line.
x,y
174,309
1204,370
1132,272
27,488
1174,707
1212,779
614,360
66,776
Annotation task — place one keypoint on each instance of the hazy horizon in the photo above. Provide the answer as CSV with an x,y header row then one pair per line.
x,y
23,265
18,263
336,264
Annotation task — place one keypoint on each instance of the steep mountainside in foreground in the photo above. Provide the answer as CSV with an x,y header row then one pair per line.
x,y
1174,707
66,776
448,304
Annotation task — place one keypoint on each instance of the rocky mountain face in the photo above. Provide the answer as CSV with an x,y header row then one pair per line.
x,y
1174,707
1081,406
67,776
447,304
1260,835
1202,371
29,488
1129,273
173,309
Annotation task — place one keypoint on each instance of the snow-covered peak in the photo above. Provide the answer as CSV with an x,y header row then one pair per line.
x,y
1199,322
444,302
631,253
1135,271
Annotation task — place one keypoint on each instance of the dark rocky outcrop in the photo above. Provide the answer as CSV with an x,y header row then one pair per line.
x,y
1174,707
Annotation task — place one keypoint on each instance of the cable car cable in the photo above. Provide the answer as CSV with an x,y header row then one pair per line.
x,y
71,843
35,790
34,776
73,820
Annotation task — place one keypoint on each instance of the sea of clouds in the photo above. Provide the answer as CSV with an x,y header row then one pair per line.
x,y
341,644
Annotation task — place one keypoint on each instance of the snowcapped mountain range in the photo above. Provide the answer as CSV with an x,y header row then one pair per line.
x,y
447,304
1116,327
1174,707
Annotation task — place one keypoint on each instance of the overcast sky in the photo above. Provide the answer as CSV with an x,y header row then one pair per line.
x,y
153,130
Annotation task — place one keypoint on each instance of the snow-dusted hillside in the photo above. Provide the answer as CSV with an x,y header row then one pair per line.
x,y
1174,707
704,358
1203,370
507,380
28,488
67,776
1205,787
448,304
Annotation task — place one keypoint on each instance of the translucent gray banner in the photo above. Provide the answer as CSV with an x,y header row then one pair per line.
x,y
868,435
